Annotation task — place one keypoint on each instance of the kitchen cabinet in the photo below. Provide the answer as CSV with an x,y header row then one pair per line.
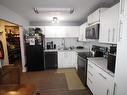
x,y
91,77
82,32
67,59
95,16
61,31
109,25
123,8
99,82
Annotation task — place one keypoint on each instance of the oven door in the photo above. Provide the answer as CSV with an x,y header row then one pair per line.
x,y
82,69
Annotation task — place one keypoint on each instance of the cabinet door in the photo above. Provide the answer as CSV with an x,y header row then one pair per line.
x,y
80,38
104,82
123,7
50,31
104,29
90,19
109,25
82,32
96,16
114,18
61,60
71,31
100,85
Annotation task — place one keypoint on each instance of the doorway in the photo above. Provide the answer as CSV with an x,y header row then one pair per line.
x,y
11,39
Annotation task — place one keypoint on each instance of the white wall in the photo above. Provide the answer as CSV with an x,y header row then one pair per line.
x,y
9,15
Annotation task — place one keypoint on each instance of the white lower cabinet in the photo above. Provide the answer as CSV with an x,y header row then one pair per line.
x,y
67,59
98,81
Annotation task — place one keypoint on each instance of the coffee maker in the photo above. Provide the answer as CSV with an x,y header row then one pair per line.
x,y
50,45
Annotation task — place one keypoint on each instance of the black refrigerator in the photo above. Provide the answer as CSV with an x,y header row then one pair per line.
x,y
34,50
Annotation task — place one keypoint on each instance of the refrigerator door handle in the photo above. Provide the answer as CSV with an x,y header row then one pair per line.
x,y
114,91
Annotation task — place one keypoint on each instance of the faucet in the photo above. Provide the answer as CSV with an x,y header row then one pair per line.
x,y
63,43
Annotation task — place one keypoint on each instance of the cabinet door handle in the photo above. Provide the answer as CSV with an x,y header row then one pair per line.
x,y
102,76
114,91
122,6
120,31
90,66
108,35
113,38
107,92
90,73
90,80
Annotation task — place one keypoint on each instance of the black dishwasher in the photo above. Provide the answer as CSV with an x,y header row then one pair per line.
x,y
51,60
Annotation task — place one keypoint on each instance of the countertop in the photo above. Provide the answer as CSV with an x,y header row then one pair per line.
x,y
101,63
77,50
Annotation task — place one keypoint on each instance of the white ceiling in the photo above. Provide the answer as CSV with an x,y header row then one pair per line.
x,y
82,8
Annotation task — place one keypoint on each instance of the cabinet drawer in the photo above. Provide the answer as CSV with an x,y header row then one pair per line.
x,y
90,84
91,67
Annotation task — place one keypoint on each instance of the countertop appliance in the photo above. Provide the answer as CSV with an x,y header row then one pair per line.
x,y
34,50
92,32
51,45
82,61
112,59
99,51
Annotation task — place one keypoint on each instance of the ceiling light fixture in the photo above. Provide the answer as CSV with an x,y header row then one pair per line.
x,y
54,10
55,20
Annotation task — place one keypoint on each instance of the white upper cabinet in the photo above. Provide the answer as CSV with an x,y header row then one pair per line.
x,y
61,31
109,25
82,32
95,16
123,7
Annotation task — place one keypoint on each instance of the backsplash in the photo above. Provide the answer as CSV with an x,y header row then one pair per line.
x,y
69,42
73,42
90,43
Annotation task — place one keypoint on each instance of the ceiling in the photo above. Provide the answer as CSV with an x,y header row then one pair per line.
x,y
82,8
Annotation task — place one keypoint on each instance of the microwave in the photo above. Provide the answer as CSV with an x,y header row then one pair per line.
x,y
92,32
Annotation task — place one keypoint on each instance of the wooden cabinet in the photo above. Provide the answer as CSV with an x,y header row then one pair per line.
x,y
82,32
67,59
99,82
95,16
61,31
109,25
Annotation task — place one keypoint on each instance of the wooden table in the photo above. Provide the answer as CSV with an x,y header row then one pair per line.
x,y
22,90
